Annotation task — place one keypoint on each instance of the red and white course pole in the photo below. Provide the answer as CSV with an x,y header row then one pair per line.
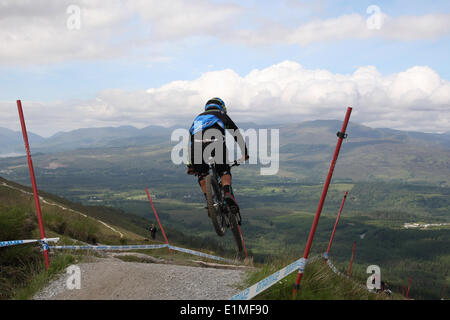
x,y
335,226
33,182
157,218
341,136
351,260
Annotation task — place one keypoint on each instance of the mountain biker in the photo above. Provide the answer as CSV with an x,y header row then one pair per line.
x,y
207,128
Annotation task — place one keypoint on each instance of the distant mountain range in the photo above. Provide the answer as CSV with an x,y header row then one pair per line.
x,y
305,152
312,132
11,142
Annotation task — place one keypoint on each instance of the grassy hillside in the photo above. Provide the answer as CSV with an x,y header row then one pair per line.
x,y
393,178
319,282
22,268
278,213
271,235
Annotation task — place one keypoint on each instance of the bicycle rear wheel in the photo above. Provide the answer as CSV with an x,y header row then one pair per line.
x,y
214,201
236,232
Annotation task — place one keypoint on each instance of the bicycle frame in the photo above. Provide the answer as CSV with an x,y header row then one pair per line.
x,y
222,216
212,167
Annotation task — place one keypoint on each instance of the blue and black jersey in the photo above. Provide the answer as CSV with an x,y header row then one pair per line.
x,y
214,119
209,118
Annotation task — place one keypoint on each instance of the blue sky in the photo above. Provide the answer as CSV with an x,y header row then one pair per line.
x,y
145,56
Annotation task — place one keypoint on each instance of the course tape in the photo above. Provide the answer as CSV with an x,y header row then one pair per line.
x,y
336,271
200,254
266,283
18,242
149,246
88,247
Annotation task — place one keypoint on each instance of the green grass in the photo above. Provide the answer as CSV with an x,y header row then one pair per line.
x,y
22,270
319,282
39,277
277,213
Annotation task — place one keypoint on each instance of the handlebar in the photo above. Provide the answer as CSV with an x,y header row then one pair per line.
x,y
235,163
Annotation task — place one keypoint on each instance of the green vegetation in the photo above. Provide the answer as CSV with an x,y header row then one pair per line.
x,y
277,218
39,277
392,177
319,282
22,271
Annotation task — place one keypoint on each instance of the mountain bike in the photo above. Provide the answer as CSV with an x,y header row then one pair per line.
x,y
218,210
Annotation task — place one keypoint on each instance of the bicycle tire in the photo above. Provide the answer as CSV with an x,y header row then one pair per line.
x,y
212,190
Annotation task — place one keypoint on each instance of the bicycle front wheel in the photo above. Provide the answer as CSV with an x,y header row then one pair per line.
x,y
214,201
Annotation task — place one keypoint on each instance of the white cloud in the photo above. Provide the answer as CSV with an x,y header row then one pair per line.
x,y
415,99
176,19
349,26
428,26
33,32
36,31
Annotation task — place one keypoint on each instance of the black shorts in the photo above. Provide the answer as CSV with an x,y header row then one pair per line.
x,y
203,169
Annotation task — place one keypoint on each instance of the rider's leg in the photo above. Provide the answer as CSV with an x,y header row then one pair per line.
x,y
202,171
226,184
229,196
226,180
228,191
202,183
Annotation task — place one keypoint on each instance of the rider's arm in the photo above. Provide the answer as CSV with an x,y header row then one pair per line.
x,y
190,167
230,125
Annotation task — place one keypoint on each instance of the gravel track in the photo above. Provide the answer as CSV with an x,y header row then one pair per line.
x,y
115,279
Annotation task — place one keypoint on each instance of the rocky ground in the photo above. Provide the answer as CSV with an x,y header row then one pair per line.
x,y
111,278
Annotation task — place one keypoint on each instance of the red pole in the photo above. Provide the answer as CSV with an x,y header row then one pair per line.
x,y
351,260
243,243
341,136
409,287
335,226
33,181
157,218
